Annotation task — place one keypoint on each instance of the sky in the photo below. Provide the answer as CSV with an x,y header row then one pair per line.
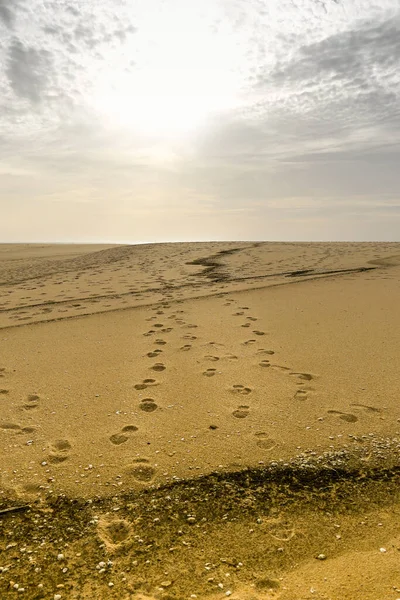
x,y
134,121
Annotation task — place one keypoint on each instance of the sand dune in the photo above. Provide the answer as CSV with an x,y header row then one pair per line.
x,y
175,394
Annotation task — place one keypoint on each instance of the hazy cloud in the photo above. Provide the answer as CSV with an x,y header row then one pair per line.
x,y
231,107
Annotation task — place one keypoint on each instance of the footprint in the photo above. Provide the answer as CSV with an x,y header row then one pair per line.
x,y
28,429
252,318
186,347
348,417
248,342
145,384
61,446
245,325
230,357
369,409
4,392
241,412
59,451
141,471
6,426
210,372
130,429
264,441
153,354
148,405
211,358
158,367
262,351
114,533
265,363
301,395
120,438
160,342
258,332
32,402
240,389
303,376
189,337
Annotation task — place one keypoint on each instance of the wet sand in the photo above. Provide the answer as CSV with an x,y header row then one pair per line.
x,y
209,416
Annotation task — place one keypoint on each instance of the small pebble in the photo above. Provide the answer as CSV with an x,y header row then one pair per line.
x,y
321,557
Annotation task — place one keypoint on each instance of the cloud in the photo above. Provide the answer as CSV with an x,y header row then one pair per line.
x,y
27,70
316,113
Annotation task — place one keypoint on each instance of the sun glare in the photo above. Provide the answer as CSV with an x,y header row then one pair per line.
x,y
183,74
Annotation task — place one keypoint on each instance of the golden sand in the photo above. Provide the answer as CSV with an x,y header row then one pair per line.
x,y
209,417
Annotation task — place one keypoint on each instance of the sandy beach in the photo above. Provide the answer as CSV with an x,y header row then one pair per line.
x,y
201,420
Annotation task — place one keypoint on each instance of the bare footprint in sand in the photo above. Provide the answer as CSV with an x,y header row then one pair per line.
x,y
141,471
158,367
210,372
240,389
114,533
301,395
150,332
264,441
303,376
241,412
368,409
59,451
185,348
160,342
249,342
348,417
153,354
120,438
148,405
258,332
211,358
265,363
3,392
145,384
8,426
32,402
245,325
262,351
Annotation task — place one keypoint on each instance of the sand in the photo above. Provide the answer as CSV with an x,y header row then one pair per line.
x,y
208,416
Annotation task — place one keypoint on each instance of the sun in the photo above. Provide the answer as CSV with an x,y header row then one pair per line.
x,y
181,76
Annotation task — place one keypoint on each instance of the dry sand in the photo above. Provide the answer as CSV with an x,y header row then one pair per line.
x,y
200,420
